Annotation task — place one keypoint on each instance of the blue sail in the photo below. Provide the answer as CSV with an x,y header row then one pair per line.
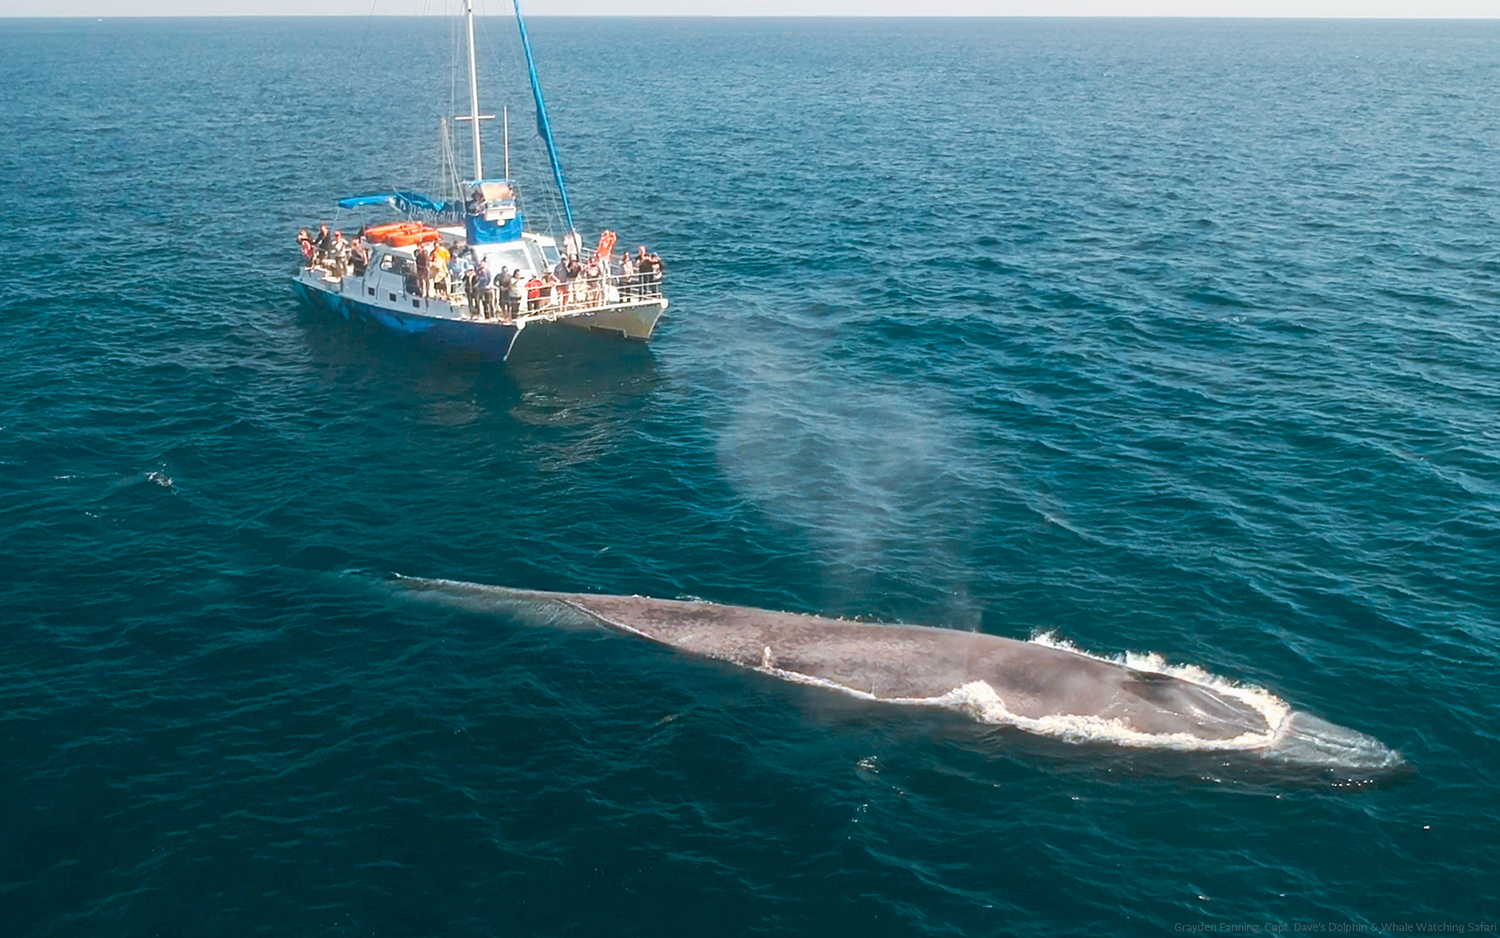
x,y
408,203
543,127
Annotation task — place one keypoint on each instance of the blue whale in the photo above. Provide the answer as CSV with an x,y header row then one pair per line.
x,y
1039,687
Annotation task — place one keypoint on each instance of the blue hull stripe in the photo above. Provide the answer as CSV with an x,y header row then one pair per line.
x,y
490,340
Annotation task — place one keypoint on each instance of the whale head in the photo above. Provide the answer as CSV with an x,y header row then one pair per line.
x,y
1309,741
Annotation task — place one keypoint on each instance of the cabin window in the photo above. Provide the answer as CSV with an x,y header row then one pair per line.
x,y
512,256
393,297
371,289
539,261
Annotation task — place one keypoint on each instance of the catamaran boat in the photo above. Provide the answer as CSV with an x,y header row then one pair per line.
x,y
550,284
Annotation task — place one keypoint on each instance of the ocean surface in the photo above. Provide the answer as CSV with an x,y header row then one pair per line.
x,y
1174,338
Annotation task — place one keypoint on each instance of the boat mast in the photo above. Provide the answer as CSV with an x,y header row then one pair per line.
x,y
473,93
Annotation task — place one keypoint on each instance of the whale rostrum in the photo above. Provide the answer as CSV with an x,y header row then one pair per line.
x,y
1037,686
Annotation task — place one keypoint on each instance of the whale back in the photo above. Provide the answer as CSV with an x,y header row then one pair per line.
x,y
906,662
1033,686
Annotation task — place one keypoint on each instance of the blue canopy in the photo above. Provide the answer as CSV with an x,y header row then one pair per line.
x,y
408,203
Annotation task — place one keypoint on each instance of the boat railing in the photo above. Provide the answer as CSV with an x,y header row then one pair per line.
x,y
547,298
572,297
598,290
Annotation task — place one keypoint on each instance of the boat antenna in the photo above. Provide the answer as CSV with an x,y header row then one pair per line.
x,y
542,126
505,121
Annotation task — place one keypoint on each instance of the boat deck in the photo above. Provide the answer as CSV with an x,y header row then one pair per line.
x,y
605,303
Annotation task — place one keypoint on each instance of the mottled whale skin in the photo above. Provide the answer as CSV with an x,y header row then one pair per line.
x,y
907,662
1040,687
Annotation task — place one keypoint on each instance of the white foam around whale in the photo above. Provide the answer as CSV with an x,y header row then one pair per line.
x,y
978,700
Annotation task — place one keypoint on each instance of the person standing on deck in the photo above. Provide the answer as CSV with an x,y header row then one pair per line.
x,y
424,268
440,261
593,284
496,299
359,253
647,272
517,294
482,287
502,292
627,276
470,280
433,274
560,273
658,271
340,253
324,244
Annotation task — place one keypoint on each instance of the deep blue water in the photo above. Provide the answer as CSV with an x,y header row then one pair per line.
x,y
1174,337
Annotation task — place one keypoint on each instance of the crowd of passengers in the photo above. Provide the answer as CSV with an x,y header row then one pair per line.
x,y
433,271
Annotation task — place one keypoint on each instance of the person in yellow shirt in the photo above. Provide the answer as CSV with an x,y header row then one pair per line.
x,y
440,258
